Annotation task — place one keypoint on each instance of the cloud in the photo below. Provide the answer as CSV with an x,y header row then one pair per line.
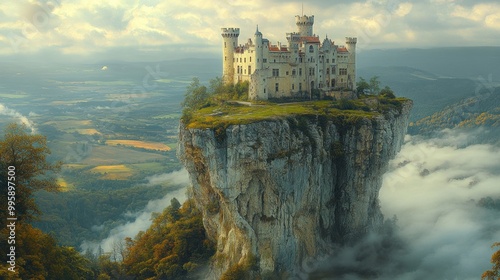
x,y
16,115
141,221
93,27
433,188
180,177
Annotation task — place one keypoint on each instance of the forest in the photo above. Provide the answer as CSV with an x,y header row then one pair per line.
x,y
174,245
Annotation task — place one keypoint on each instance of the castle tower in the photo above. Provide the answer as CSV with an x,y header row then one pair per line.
x,y
229,44
351,64
305,25
259,51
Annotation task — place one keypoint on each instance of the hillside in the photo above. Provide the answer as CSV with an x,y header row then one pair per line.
x,y
481,110
430,92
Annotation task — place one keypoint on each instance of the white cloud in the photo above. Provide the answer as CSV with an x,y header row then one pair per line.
x,y
91,27
433,187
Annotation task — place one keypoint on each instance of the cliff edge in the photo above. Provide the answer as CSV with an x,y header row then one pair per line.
x,y
278,190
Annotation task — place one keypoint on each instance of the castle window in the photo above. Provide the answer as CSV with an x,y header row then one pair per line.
x,y
300,60
276,72
225,58
343,71
249,70
250,59
300,86
311,49
293,86
245,60
300,71
277,87
327,60
264,60
328,71
287,73
294,72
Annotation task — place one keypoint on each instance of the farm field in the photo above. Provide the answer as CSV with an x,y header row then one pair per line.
x,y
139,144
111,131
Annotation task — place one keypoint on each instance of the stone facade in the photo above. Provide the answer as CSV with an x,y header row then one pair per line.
x,y
299,69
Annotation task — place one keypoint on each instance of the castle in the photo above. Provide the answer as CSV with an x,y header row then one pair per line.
x,y
301,69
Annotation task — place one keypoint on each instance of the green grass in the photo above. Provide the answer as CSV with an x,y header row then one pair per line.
x,y
230,114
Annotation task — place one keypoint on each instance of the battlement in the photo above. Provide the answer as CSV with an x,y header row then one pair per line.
x,y
230,32
304,20
351,40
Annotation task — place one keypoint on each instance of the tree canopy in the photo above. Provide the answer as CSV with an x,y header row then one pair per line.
x,y
373,87
494,272
37,254
174,245
27,153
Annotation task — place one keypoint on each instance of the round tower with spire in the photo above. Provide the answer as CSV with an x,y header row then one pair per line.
x,y
304,25
259,55
229,44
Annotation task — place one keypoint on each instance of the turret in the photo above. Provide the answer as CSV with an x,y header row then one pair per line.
x,y
259,52
304,25
350,43
229,44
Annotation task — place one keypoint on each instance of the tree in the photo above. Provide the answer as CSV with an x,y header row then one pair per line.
x,y
196,97
37,253
494,272
387,92
169,249
27,155
374,85
371,87
362,86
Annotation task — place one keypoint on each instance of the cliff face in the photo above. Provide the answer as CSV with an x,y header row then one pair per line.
x,y
277,192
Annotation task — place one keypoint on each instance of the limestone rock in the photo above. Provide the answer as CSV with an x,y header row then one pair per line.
x,y
277,192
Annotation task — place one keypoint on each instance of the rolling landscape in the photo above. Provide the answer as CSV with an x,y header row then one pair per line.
x,y
242,140
115,128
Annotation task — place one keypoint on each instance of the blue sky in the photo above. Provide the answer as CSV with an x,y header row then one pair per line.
x,y
163,29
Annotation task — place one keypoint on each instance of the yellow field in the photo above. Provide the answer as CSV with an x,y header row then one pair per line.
x,y
113,172
140,144
63,185
87,131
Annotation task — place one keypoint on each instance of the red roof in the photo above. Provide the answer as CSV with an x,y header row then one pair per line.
x,y
274,48
310,39
342,49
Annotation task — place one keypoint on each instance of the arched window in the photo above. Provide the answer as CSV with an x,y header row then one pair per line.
x,y
311,49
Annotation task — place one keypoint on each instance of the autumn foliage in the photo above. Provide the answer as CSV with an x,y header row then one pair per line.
x,y
494,273
174,245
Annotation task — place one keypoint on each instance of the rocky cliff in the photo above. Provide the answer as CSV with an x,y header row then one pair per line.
x,y
278,191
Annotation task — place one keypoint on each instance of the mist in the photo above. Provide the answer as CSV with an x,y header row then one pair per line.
x,y
4,110
141,220
432,193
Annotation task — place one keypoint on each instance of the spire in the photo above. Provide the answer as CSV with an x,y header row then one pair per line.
x,y
257,32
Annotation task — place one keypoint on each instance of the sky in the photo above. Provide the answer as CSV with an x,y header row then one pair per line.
x,y
148,30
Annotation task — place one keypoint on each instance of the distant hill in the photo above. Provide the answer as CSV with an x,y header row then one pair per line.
x,y
429,92
459,62
481,110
